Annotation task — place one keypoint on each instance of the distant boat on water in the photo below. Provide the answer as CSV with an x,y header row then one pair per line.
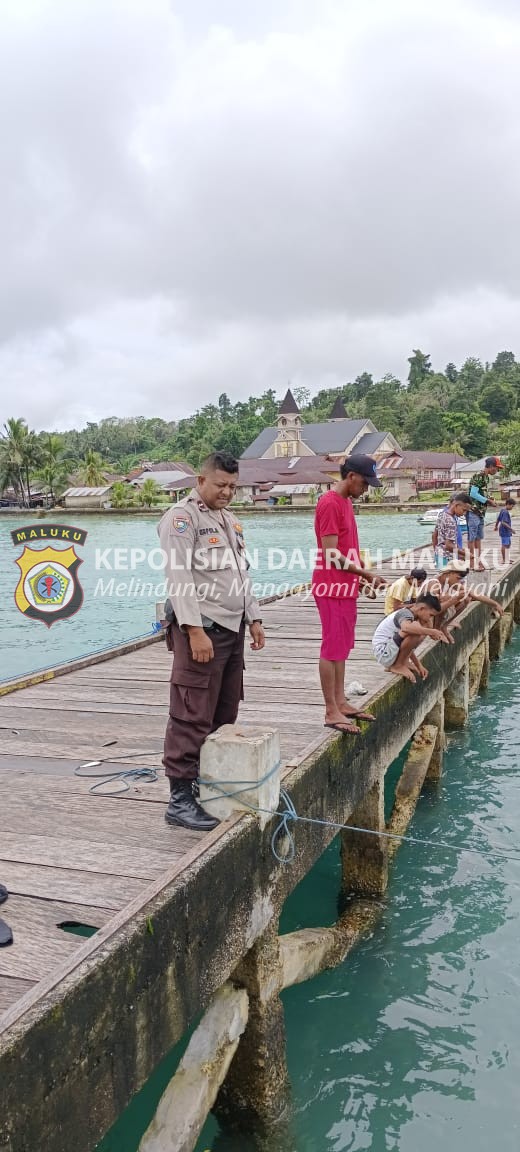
x,y
432,515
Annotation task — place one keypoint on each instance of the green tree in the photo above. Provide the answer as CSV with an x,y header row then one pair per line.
x,y
420,368
498,400
53,468
149,494
426,429
121,495
92,469
19,456
451,373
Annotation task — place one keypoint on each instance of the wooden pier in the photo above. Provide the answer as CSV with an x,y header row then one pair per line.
x,y
83,1022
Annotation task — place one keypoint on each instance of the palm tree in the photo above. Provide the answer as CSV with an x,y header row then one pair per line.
x,y
19,455
92,469
149,494
121,495
53,468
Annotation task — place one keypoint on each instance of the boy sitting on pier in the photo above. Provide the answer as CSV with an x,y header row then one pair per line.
x,y
454,596
398,635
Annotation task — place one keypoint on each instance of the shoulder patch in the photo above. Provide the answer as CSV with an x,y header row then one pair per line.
x,y
180,524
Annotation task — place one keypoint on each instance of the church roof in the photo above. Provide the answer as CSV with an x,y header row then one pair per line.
x,y
288,405
339,411
321,438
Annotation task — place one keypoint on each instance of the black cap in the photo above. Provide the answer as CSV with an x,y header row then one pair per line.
x,y
365,466
493,462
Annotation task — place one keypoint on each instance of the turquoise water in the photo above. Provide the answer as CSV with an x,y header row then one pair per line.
x,y
120,601
412,1043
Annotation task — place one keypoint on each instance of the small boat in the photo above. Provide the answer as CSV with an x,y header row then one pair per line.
x,y
431,516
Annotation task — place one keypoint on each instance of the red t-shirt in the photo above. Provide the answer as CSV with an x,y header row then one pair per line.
x,y
335,517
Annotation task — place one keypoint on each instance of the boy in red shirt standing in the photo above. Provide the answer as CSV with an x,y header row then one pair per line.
x,y
335,585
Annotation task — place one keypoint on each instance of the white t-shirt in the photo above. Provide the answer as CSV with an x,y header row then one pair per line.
x,y
388,627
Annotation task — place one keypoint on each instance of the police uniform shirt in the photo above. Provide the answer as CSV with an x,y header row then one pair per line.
x,y
206,566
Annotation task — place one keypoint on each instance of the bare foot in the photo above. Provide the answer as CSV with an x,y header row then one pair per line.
x,y
403,670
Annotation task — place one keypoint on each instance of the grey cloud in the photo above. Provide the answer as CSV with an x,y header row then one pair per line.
x,y
224,195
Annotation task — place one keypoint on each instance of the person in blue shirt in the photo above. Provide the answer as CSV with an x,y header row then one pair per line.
x,y
505,529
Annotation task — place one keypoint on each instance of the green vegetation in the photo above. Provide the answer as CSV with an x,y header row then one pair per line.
x,y
473,410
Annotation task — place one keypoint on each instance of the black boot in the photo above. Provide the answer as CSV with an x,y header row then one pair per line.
x,y
6,935
183,809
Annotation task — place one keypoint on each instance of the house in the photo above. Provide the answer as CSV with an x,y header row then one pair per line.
x,y
87,498
407,472
257,478
175,478
336,437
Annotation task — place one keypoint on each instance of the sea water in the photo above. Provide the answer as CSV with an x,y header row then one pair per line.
x,y
121,589
412,1043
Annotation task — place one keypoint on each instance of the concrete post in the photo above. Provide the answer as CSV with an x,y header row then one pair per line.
x,y
456,700
233,755
256,1091
365,858
506,628
184,1105
476,666
484,676
494,641
500,635
436,717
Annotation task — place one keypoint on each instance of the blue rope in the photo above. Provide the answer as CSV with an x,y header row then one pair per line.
x,y
132,775
289,817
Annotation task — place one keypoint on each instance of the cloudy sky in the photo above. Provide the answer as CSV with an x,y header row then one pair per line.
x,y
201,196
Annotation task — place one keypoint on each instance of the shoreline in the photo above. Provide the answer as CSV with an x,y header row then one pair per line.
x,y
243,509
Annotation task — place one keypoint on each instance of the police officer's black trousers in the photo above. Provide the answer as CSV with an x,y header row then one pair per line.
x,y
202,697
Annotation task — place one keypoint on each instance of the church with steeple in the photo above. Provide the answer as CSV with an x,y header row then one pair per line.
x,y
337,437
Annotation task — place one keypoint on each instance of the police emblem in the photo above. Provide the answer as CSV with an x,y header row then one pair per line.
x,y
48,589
180,523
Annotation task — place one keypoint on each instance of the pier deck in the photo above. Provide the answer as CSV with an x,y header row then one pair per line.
x,y
69,857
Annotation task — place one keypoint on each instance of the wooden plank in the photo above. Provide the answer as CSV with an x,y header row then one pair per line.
x,y
69,885
94,855
39,945
11,990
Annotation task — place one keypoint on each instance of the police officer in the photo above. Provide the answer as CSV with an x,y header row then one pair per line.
x,y
211,602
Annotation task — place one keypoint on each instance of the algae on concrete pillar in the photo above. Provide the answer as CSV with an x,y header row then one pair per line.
x,y
256,1091
484,675
516,609
436,717
456,700
476,667
365,858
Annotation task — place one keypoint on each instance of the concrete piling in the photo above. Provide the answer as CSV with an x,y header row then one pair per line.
x,y
185,1103
436,719
477,661
256,1092
364,859
456,700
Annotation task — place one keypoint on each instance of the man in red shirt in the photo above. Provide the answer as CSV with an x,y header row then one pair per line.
x,y
335,585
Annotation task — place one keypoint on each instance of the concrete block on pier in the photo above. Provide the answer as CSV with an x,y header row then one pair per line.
x,y
234,757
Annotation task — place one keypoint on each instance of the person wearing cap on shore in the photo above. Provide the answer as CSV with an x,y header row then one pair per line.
x,y
480,501
446,534
335,585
